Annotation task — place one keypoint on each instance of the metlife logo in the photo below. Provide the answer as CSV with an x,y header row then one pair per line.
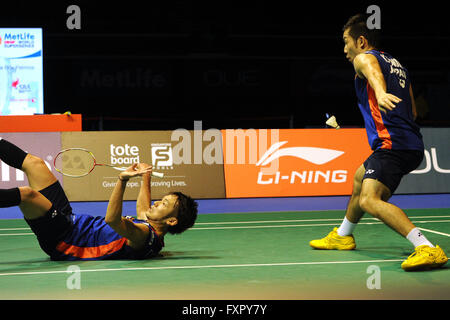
x,y
17,40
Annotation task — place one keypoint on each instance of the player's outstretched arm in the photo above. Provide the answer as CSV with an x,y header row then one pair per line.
x,y
144,197
367,66
135,233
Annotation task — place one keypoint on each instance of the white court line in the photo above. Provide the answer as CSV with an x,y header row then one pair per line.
x,y
303,225
273,221
437,232
204,267
304,220
261,227
269,221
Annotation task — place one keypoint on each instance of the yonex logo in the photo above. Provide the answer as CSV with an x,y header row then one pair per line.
x,y
314,155
370,171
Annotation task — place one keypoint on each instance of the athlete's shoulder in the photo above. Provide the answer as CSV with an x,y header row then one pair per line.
x,y
137,221
364,57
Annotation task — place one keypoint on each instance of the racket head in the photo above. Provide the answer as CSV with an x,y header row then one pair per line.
x,y
74,162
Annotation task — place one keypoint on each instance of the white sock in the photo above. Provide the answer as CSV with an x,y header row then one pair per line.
x,y
417,238
346,228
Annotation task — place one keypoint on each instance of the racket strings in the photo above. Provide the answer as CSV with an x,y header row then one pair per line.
x,y
74,162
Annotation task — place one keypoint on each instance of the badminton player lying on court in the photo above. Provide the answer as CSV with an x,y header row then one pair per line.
x,y
386,101
64,235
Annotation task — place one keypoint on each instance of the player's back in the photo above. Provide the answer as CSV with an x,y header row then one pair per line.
x,y
91,238
395,129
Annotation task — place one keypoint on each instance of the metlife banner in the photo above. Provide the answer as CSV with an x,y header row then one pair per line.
x,y
433,174
21,71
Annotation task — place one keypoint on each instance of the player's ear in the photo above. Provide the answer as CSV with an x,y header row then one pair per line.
x,y
360,41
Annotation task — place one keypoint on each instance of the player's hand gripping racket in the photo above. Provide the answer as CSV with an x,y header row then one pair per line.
x,y
79,162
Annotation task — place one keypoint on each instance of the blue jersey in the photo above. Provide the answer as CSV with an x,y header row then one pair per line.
x,y
91,238
395,129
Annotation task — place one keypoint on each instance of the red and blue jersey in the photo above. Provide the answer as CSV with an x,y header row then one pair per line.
x,y
91,238
395,129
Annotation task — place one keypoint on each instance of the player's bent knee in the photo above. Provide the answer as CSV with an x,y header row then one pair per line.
x,y
27,194
365,202
32,161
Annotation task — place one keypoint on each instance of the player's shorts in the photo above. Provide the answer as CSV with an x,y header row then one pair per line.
x,y
389,166
56,223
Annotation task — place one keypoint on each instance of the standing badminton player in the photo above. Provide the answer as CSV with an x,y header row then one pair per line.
x,y
64,235
386,101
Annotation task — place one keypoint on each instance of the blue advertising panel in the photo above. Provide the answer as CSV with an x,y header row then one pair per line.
x,y
21,71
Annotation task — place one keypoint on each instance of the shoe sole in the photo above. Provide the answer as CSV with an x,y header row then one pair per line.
x,y
351,247
424,267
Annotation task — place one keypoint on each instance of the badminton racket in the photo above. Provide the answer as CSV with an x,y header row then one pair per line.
x,y
79,162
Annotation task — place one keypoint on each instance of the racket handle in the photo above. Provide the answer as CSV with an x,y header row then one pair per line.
x,y
157,174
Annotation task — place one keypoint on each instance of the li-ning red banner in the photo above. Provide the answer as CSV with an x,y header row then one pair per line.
x,y
292,162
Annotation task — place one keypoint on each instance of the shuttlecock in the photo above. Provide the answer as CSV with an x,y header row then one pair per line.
x,y
332,122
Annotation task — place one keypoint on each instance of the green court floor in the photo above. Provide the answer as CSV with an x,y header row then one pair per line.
x,y
238,256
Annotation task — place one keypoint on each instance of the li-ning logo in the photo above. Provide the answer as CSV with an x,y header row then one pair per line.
x,y
317,156
314,155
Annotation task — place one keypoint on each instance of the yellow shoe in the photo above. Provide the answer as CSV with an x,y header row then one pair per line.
x,y
333,241
425,257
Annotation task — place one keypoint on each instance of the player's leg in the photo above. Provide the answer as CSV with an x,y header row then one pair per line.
x,y
40,179
38,174
385,169
374,196
354,212
341,238
373,200
32,203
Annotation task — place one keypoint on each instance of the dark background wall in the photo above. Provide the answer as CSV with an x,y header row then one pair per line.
x,y
232,64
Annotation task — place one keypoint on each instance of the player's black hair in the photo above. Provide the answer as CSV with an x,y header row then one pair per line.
x,y
187,213
357,26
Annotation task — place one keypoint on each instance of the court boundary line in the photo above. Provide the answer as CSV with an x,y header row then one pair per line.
x,y
436,232
275,226
279,264
270,221
305,220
